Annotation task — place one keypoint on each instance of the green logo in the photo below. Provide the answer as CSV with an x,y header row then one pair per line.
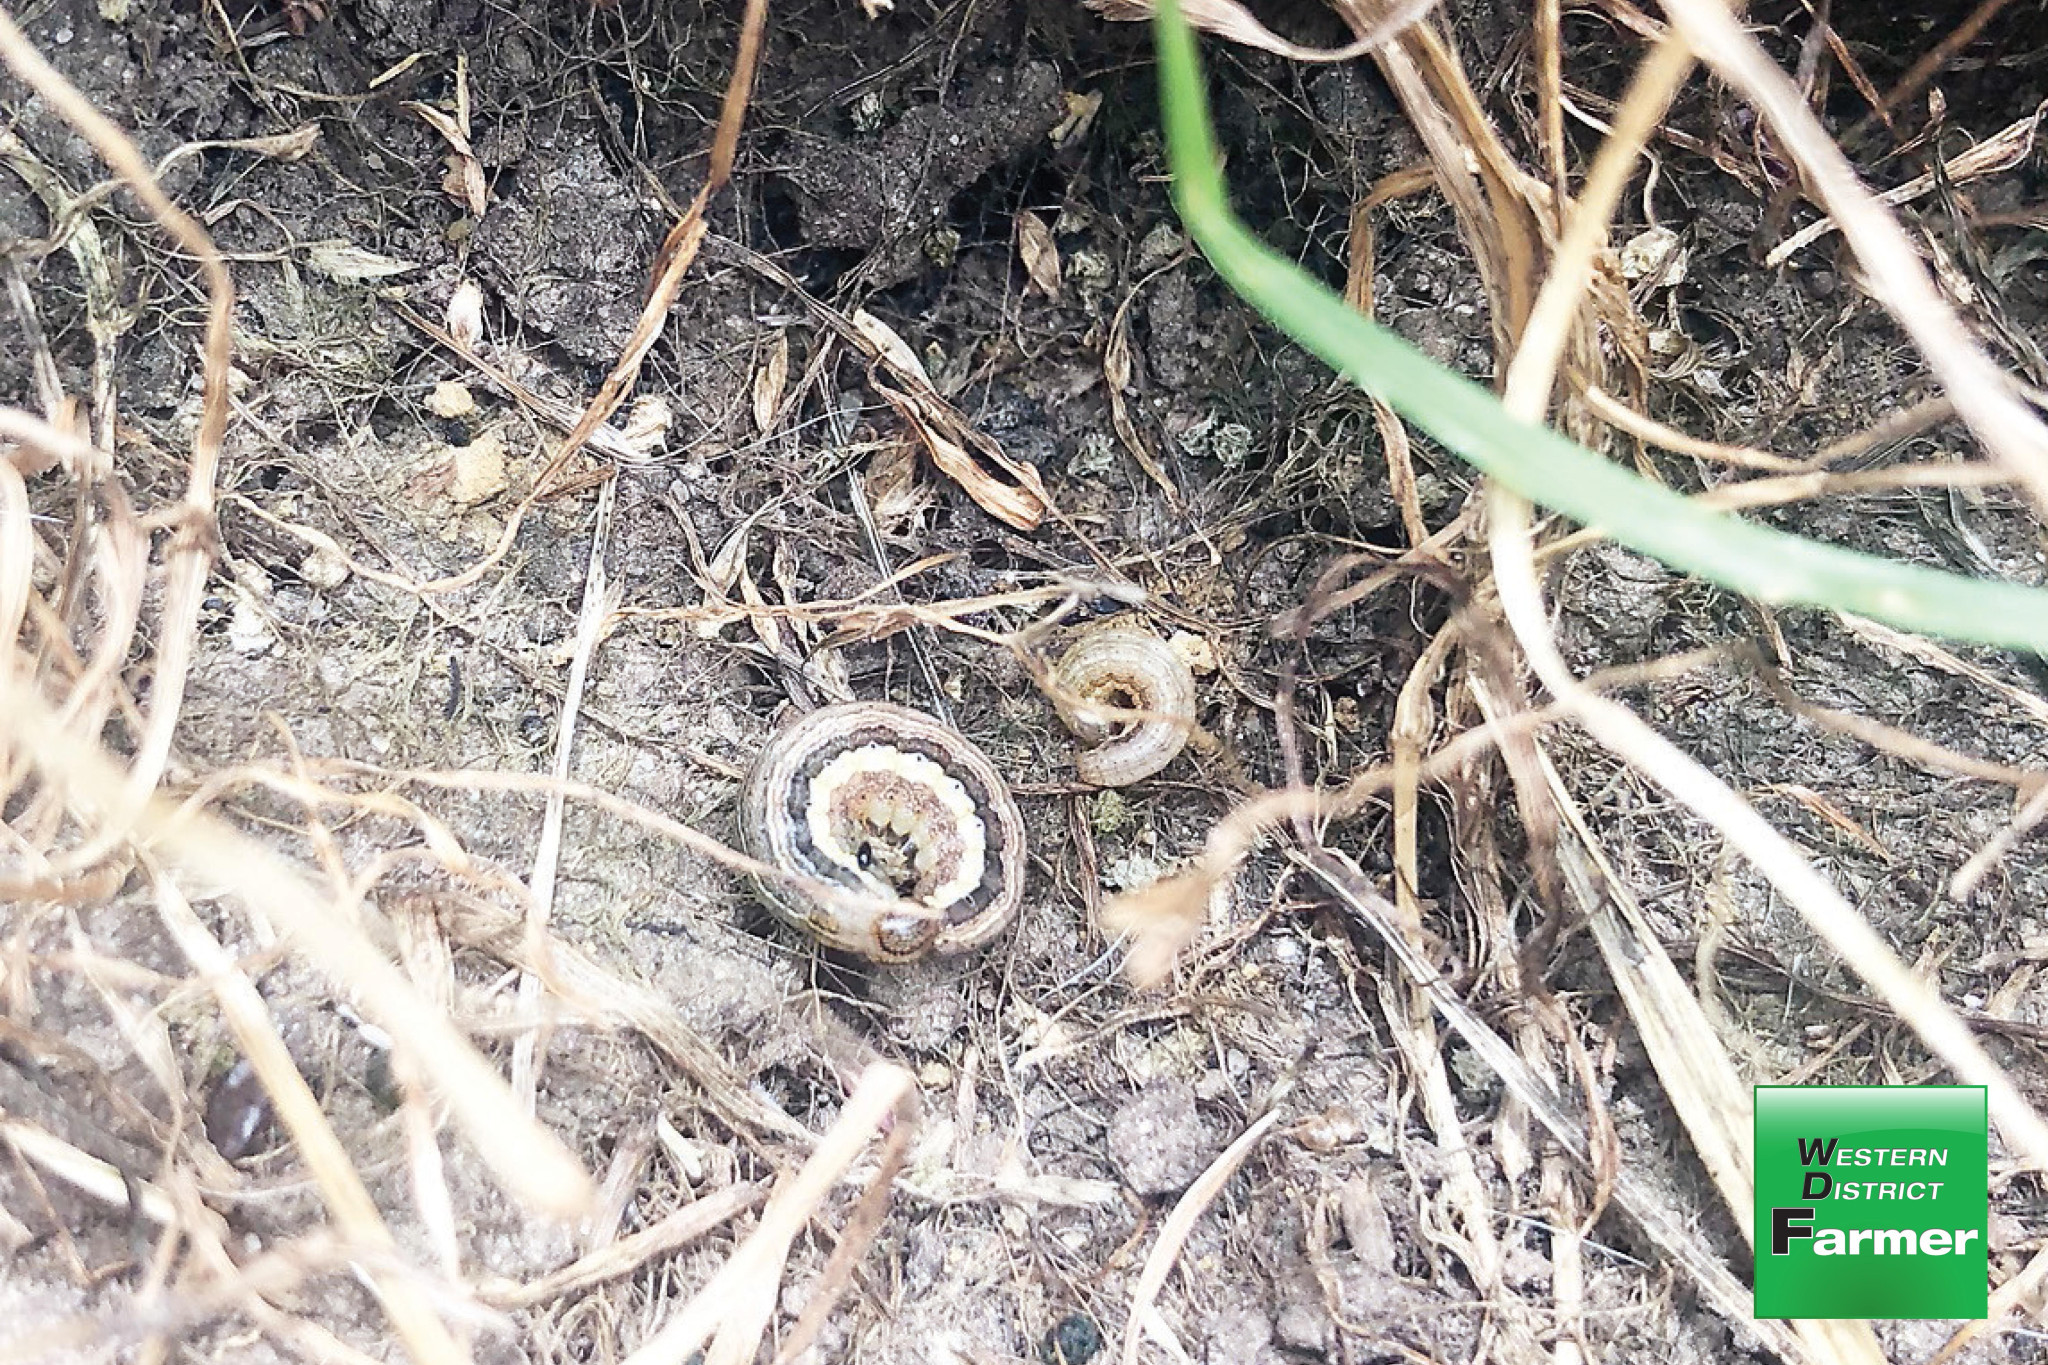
x,y
1871,1201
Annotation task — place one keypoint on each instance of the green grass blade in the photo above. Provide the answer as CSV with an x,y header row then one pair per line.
x,y
1547,468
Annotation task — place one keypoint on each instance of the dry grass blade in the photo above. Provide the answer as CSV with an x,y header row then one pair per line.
x,y
1648,429
1116,376
17,552
1831,917
604,996
599,600
465,180
1004,486
607,439
1663,1224
732,1310
1925,70
36,444
675,1230
1173,1233
1549,330
230,1288
88,1174
526,1157
1503,213
1917,1003
1825,910
1708,1099
2001,151
1410,1016
341,1188
679,251
1697,1074
1230,20
191,553
1962,887
1982,394
1847,932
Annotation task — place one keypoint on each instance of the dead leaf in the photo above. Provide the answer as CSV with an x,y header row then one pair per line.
x,y
770,629
465,315
1116,375
1020,505
782,561
1008,489
725,567
894,489
397,69
291,146
647,424
350,264
464,181
1041,255
768,384
1229,20
889,348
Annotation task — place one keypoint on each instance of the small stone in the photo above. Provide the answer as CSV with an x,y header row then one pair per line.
x,y
1073,1340
1160,245
465,316
477,470
249,631
1132,872
1195,651
324,569
450,399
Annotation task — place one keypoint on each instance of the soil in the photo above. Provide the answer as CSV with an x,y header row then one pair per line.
x,y
885,165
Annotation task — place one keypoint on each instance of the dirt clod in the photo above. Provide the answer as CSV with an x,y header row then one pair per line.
x,y
1160,1140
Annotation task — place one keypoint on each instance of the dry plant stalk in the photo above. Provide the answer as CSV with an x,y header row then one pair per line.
x,y
190,558
1173,1235
1981,393
732,1310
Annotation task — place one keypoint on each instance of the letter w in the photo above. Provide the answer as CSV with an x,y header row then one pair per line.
x,y
1815,1152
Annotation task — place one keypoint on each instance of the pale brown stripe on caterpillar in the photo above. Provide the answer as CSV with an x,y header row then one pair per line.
x,y
887,801
1114,666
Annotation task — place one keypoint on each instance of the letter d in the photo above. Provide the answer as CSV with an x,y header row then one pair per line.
x,y
1807,1191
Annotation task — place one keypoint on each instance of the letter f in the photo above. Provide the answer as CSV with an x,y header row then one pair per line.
x,y
1783,1231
